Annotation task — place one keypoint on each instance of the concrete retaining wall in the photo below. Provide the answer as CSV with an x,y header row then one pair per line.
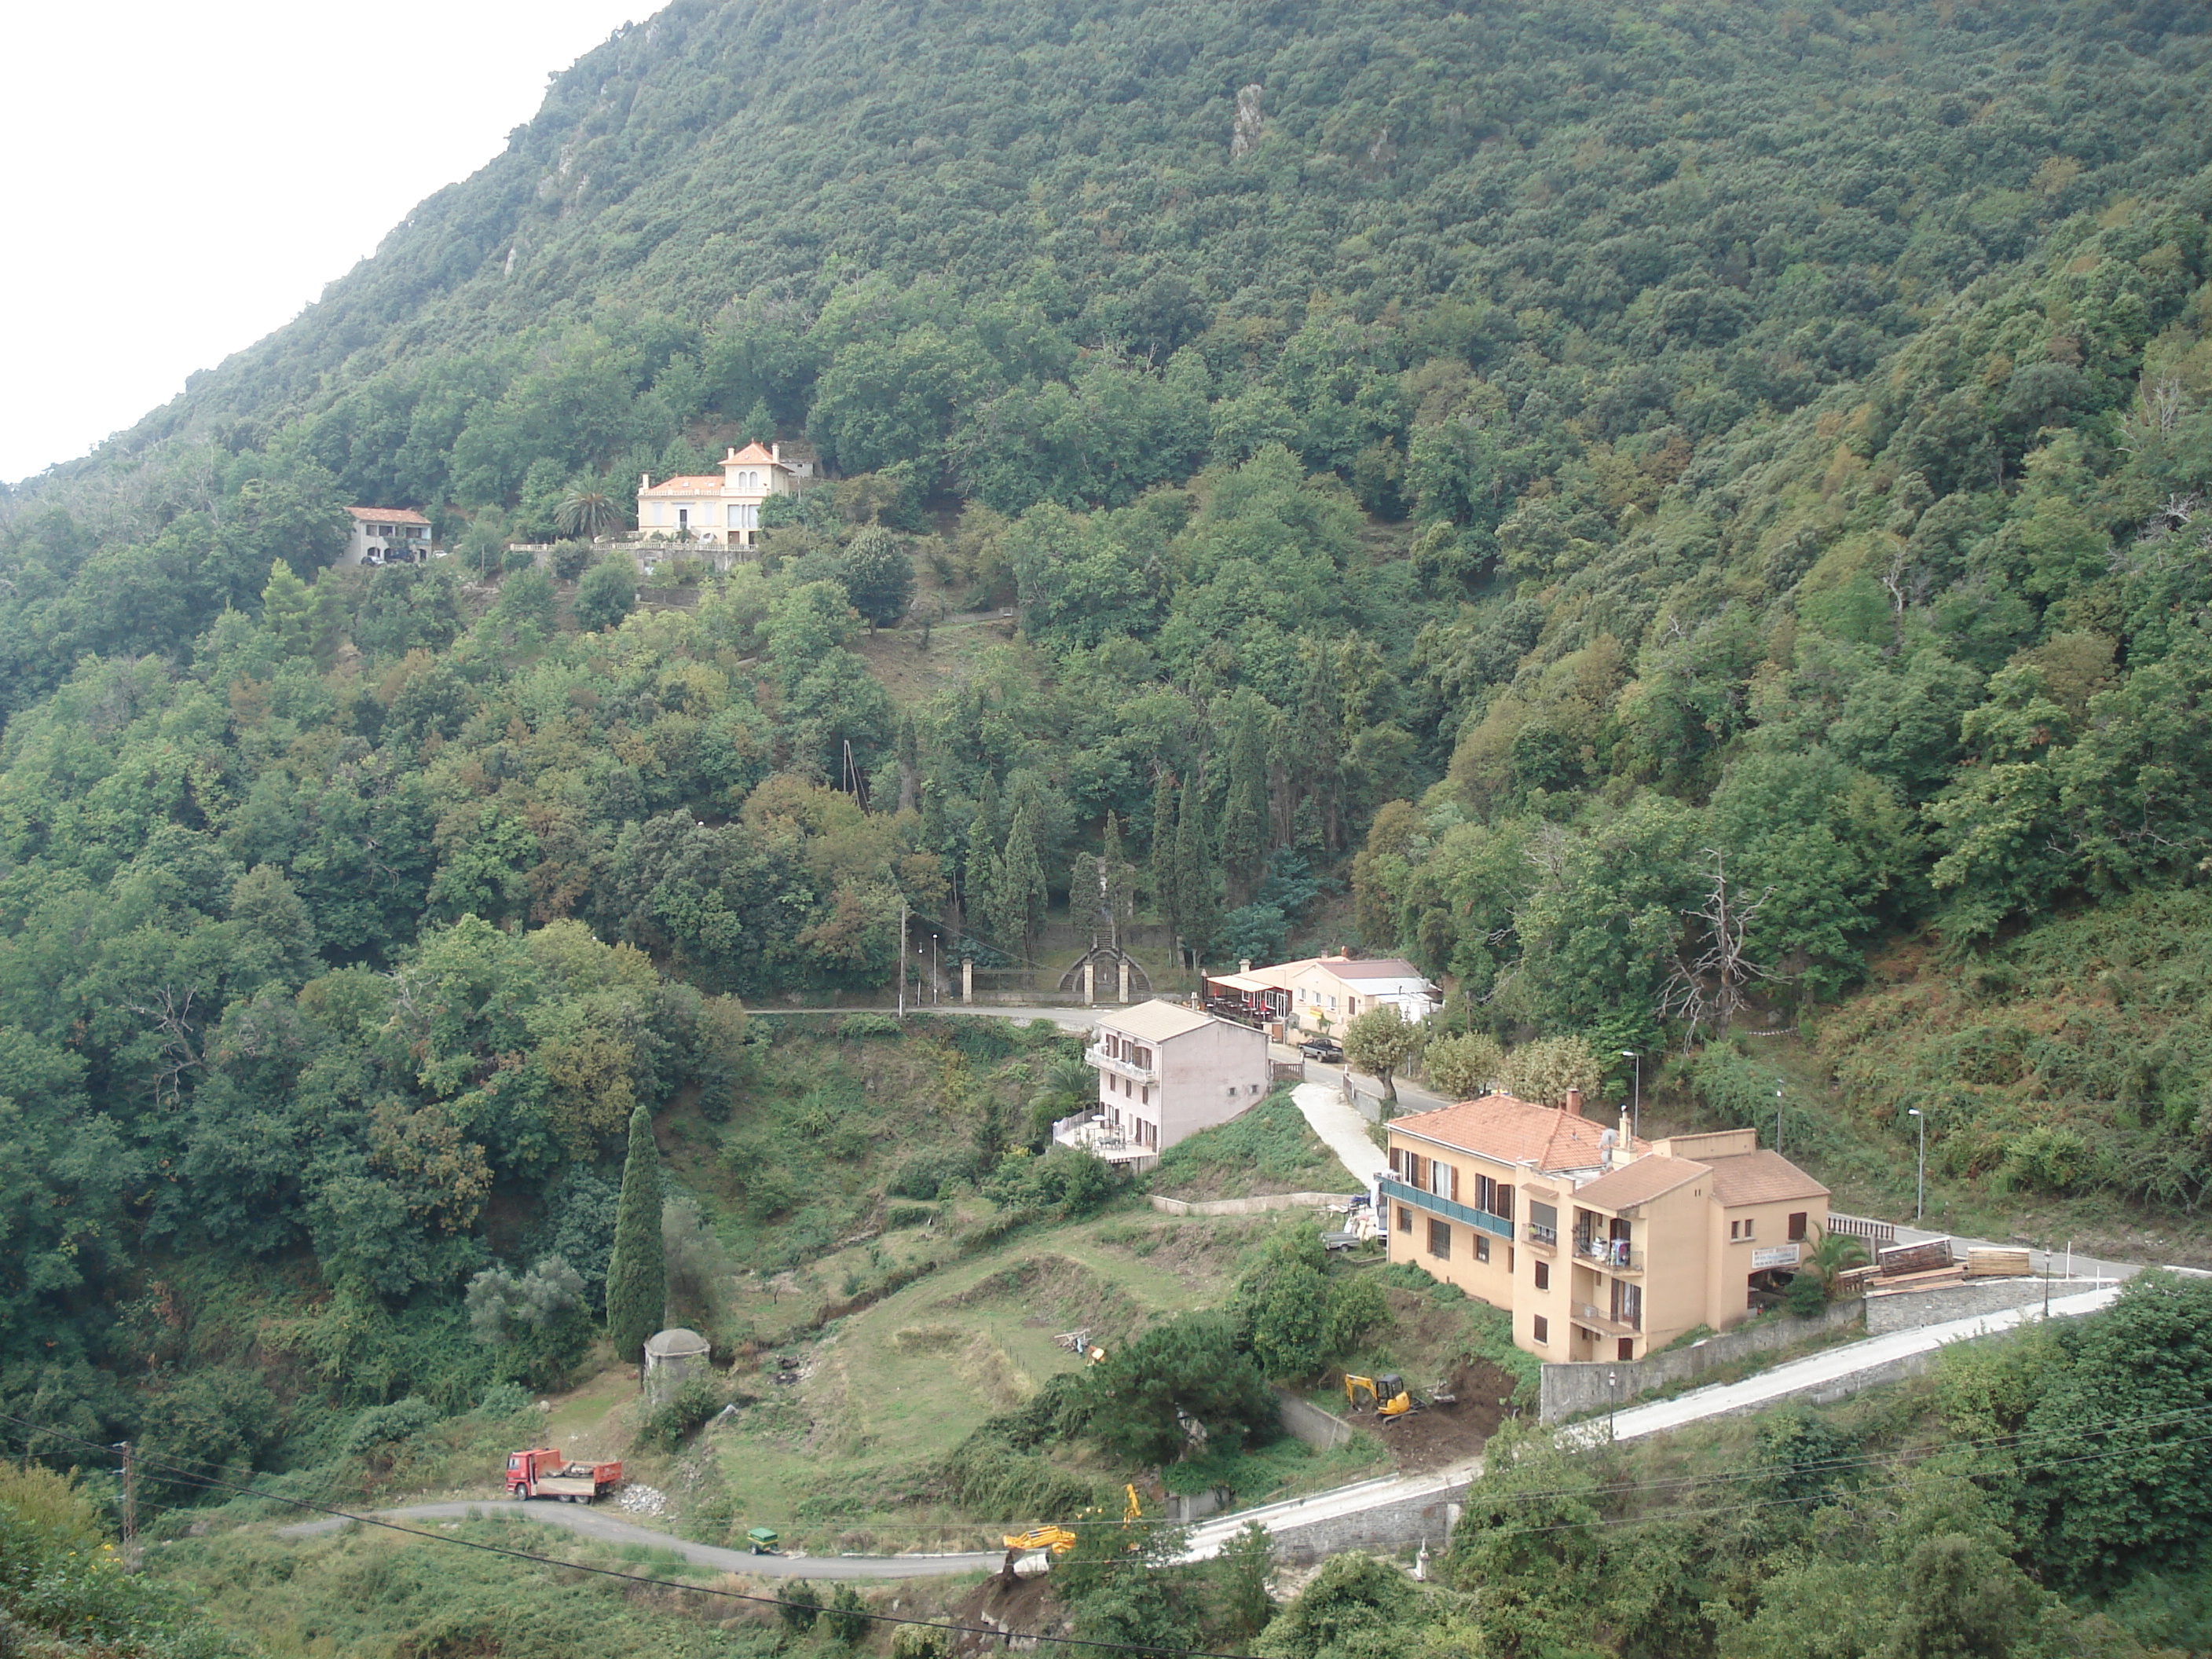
x,y
1306,1421
1250,1205
1599,1385
1934,1304
1426,1516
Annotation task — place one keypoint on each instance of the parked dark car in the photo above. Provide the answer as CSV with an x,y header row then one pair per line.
x,y
1322,1047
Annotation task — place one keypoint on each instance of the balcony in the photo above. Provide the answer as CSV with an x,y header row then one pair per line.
x,y
1090,1132
1613,1254
1096,1057
1591,1317
1545,1239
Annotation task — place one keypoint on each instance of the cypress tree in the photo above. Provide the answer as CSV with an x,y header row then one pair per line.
x,y
1023,895
978,902
1197,891
1244,813
1120,879
637,1271
1167,896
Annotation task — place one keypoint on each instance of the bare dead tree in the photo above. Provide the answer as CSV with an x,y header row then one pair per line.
x,y
1710,988
176,1048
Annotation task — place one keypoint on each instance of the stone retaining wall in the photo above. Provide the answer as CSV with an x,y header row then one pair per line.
x,y
1600,1385
1248,1206
1425,1517
1935,1305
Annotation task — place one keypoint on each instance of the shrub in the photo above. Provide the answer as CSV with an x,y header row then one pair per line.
x,y
1185,1368
1066,1182
799,1604
665,1428
383,1425
607,594
1805,1295
926,1175
848,1621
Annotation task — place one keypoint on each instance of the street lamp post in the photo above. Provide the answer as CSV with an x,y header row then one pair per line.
x,y
1777,1115
1920,1182
1635,1118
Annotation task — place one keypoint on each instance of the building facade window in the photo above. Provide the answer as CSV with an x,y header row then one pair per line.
x,y
1482,1247
1540,1329
1440,1240
1405,1219
1797,1227
1543,1275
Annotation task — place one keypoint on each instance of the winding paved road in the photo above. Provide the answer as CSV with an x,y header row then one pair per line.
x,y
612,1529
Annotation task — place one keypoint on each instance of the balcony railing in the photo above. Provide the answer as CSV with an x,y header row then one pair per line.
x,y
1097,1056
1613,1252
1543,1234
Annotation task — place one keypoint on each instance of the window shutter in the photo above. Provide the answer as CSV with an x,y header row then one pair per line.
x,y
1454,1183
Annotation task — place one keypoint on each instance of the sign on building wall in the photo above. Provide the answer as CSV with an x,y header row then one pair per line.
x,y
1774,1255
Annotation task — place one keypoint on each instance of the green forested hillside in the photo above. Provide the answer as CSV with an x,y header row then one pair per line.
x,y
1542,474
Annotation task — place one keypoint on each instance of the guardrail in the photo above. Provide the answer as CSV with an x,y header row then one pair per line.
x,y
1860,1226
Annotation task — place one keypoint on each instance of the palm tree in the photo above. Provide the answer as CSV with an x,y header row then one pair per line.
x,y
587,513
1068,1086
1833,1254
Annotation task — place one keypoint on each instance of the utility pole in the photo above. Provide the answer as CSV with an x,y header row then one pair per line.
x,y
902,957
130,1508
936,983
1778,1117
1920,1182
1635,1117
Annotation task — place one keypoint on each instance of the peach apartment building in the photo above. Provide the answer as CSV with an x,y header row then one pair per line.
x,y
1600,1245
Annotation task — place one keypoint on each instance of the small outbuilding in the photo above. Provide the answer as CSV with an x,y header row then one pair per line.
x,y
673,1357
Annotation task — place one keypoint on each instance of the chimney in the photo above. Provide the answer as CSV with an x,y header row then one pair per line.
x,y
1243,964
1574,1102
730,453
775,451
644,481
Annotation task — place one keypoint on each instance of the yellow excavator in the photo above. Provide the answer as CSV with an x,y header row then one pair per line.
x,y
1387,1394
1058,1540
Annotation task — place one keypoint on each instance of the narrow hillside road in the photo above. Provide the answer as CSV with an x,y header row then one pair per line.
x,y
612,1529
1829,1368
1342,1130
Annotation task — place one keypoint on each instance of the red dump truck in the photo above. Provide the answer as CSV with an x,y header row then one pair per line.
x,y
544,1473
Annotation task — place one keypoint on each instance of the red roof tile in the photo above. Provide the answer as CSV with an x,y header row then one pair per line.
x,y
1513,1130
389,514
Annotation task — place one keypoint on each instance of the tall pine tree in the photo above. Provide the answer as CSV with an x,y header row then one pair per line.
x,y
637,1271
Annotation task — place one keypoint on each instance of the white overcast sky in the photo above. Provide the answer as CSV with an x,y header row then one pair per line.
x,y
184,178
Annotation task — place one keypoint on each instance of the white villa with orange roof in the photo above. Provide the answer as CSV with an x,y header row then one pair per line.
x,y
724,511
1600,1245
